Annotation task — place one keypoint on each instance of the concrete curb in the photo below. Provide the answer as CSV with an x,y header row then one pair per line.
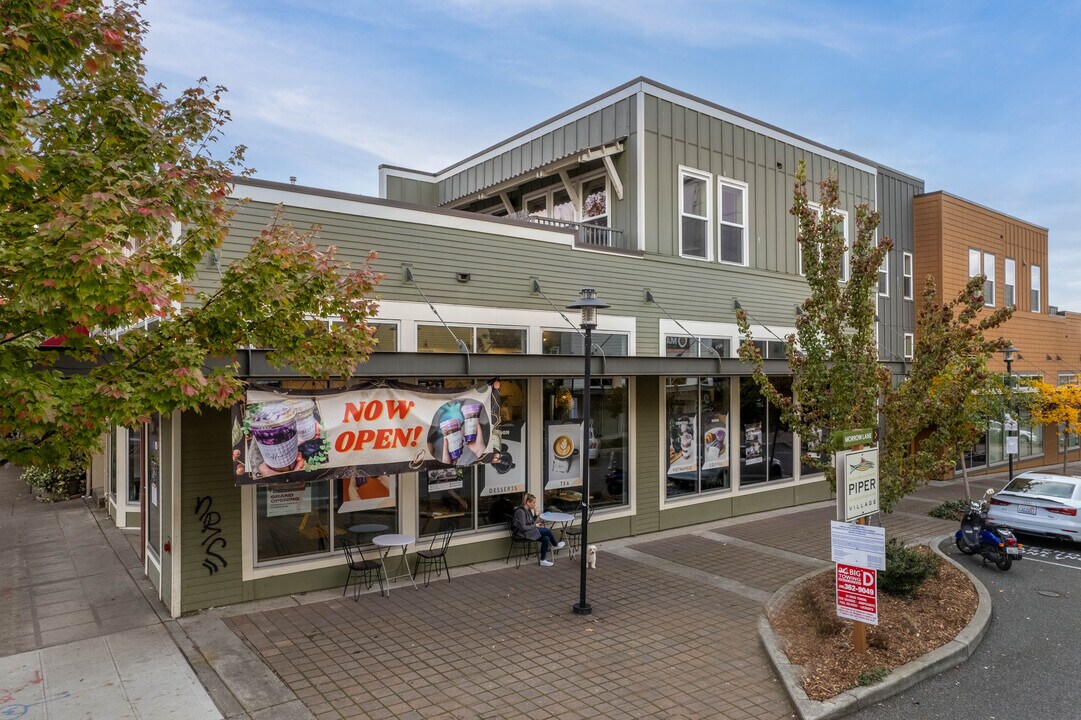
x,y
952,653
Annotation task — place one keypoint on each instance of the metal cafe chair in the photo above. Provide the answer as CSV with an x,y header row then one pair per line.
x,y
573,533
436,554
521,547
369,570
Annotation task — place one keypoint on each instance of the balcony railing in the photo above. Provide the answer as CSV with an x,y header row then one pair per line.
x,y
586,234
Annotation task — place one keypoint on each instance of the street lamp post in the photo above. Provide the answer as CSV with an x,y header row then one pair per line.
x,y
1007,354
589,305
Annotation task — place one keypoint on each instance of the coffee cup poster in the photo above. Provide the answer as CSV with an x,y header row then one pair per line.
x,y
370,430
683,445
563,463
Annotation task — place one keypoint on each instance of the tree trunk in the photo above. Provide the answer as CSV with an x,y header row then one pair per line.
x,y
1065,447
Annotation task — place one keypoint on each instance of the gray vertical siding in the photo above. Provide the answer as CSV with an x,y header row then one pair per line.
x,y
606,124
898,316
410,190
675,135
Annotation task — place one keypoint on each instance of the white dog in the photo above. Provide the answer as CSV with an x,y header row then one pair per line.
x,y
591,557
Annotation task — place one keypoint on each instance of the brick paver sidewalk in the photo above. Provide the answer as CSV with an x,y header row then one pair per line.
x,y
672,635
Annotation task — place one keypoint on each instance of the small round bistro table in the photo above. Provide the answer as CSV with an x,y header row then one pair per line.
x,y
388,543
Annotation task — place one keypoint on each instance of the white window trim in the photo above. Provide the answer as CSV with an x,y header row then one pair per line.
x,y
910,345
906,260
884,269
989,297
479,326
746,192
1035,269
580,183
708,218
1009,271
844,231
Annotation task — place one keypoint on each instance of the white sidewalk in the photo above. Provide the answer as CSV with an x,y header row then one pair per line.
x,y
136,673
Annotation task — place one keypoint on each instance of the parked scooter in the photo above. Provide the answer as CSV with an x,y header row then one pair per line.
x,y
993,541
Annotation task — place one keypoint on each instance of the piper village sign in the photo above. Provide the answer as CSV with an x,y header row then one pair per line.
x,y
857,491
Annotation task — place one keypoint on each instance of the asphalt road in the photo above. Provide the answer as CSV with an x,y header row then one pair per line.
x,y
1028,662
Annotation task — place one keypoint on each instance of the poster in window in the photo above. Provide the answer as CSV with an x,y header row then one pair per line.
x,y
444,479
682,445
506,473
288,500
715,442
368,492
753,450
563,457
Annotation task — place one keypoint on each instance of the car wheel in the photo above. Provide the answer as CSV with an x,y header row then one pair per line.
x,y
1004,562
963,547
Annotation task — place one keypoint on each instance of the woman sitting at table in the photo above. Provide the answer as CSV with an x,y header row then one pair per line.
x,y
525,525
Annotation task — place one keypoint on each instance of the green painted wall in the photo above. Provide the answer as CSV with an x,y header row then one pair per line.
x,y
210,515
410,190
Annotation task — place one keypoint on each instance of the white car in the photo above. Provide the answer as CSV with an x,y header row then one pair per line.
x,y
1040,503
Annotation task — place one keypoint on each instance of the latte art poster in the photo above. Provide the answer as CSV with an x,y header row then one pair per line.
x,y
563,456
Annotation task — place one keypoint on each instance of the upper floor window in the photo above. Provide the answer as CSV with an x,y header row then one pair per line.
x,y
910,345
1034,292
694,211
595,201
981,263
906,275
733,226
842,228
1010,282
884,276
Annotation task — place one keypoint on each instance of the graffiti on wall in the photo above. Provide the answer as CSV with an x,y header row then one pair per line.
x,y
211,532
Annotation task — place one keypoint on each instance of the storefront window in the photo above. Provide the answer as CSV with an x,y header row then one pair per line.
x,y
605,454
1029,437
685,346
292,520
697,447
570,342
135,465
484,340
996,443
363,508
484,495
153,483
767,444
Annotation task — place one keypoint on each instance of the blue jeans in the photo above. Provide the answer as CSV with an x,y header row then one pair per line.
x,y
546,539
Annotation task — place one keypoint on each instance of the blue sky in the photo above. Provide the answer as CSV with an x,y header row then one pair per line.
x,y
979,99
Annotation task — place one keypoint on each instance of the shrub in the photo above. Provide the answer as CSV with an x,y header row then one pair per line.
x,y
906,568
950,510
870,677
57,481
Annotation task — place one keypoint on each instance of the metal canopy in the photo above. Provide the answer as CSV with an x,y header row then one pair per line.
x,y
253,365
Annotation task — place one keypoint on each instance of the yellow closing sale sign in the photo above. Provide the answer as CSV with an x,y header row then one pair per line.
x,y
859,491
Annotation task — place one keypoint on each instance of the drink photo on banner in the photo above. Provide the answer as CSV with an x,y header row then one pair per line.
x,y
563,461
367,431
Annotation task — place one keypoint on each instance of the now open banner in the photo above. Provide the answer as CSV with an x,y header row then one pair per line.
x,y
370,430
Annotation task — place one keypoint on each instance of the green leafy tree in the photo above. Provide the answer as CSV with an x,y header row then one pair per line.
x,y
111,198
932,415
1058,405
836,375
945,403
